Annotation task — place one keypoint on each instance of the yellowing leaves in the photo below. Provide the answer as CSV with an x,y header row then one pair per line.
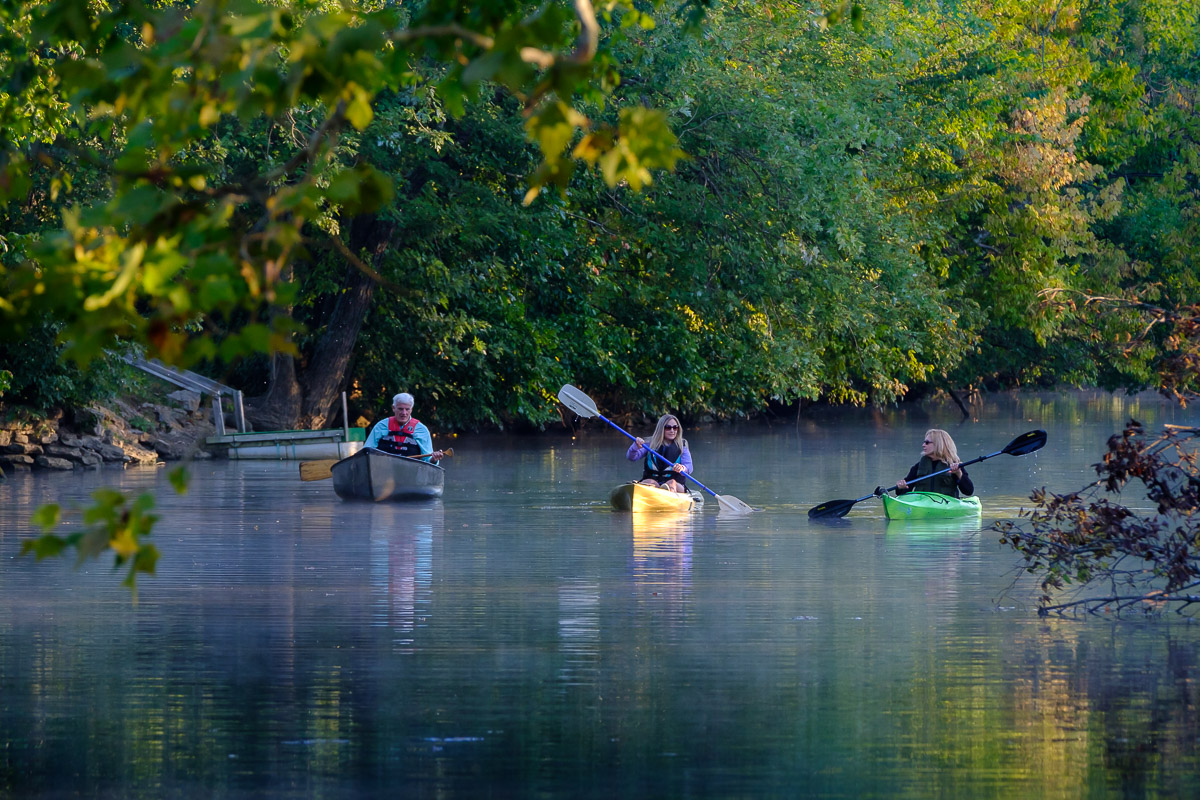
x,y
1045,157
554,126
358,106
130,262
691,318
642,143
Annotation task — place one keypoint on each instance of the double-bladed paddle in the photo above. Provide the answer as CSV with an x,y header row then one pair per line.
x,y
582,405
320,470
1022,445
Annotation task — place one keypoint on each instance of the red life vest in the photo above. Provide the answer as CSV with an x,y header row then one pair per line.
x,y
399,438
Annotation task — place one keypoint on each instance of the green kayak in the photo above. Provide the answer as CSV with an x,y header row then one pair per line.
x,y
929,505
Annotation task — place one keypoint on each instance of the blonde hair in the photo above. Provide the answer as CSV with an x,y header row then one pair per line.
x,y
657,439
943,446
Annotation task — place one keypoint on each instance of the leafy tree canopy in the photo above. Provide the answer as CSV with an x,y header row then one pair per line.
x,y
116,120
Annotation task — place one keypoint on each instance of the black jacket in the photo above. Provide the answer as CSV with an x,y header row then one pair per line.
x,y
942,484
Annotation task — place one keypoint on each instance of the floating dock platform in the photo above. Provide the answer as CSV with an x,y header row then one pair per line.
x,y
291,445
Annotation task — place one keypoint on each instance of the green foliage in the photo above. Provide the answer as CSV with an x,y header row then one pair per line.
x,y
111,524
717,289
42,382
860,211
184,252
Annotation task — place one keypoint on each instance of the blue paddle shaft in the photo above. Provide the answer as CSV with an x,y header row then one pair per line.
x,y
657,455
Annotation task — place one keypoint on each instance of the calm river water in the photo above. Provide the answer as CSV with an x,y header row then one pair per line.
x,y
519,639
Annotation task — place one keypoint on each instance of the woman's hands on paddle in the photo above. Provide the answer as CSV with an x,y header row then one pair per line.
x,y
955,470
641,443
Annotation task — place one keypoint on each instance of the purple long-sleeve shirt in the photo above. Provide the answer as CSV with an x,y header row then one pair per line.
x,y
636,453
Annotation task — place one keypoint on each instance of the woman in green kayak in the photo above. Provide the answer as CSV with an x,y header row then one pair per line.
x,y
938,453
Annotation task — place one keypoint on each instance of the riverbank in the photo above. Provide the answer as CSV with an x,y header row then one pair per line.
x,y
121,431
138,430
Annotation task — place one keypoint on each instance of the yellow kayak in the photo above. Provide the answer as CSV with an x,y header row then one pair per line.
x,y
639,497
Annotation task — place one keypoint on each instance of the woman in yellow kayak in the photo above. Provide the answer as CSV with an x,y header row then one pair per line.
x,y
669,471
938,453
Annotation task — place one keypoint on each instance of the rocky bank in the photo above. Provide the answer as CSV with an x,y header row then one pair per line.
x,y
120,432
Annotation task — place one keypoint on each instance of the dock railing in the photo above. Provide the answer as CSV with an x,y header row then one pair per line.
x,y
195,382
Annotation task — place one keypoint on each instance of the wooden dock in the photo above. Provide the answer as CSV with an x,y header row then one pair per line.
x,y
291,445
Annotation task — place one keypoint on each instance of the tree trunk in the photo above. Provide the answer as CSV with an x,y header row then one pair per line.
x,y
324,375
309,400
278,409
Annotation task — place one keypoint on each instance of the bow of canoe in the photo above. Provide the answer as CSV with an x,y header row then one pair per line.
x,y
372,474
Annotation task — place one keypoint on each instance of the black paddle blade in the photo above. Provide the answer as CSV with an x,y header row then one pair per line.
x,y
1026,443
831,508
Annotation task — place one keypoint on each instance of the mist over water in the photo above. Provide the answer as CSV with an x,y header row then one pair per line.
x,y
518,638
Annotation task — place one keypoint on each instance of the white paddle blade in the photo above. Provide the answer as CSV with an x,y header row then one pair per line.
x,y
577,401
733,505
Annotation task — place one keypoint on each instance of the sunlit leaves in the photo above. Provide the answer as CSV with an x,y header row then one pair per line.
x,y
644,143
156,85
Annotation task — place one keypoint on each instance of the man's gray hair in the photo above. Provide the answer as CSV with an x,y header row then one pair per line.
x,y
404,397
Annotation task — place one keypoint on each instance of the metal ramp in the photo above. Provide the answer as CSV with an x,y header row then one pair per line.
x,y
195,382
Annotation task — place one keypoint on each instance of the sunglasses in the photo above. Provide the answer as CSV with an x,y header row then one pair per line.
x,y
926,442
670,427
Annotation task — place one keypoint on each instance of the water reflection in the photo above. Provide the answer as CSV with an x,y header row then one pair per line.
x,y
579,632
402,546
661,562
520,639
934,528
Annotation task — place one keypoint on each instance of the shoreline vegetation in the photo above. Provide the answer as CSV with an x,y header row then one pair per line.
x,y
145,429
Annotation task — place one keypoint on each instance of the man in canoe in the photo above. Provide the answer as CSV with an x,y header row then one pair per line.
x,y
402,433
669,471
938,453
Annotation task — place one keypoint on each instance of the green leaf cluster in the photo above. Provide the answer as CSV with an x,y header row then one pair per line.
x,y
113,524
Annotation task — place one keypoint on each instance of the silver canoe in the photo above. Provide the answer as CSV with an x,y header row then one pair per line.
x,y
372,474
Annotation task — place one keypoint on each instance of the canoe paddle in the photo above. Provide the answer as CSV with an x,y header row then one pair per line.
x,y
1022,445
320,470
582,405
